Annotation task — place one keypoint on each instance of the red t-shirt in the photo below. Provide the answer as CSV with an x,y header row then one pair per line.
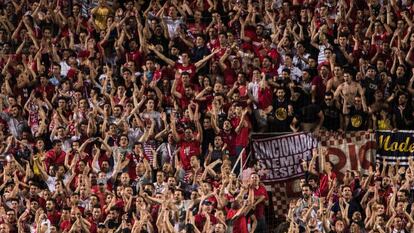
x,y
136,57
265,97
53,158
243,91
239,224
271,52
200,219
190,68
320,88
260,208
65,225
229,139
187,150
229,76
324,184
272,71
54,217
242,138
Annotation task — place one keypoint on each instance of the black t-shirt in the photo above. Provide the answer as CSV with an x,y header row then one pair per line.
x,y
358,119
208,137
370,85
340,57
279,119
332,117
309,114
404,119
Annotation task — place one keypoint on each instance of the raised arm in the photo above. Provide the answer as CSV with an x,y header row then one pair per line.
x,y
161,56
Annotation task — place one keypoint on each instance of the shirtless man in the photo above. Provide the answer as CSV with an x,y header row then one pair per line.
x,y
336,80
348,90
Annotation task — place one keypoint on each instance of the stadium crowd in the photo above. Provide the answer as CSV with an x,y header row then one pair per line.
x,y
132,116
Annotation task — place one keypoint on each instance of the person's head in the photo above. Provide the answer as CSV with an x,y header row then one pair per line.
x,y
288,59
306,191
11,216
347,77
266,62
171,182
218,141
329,99
96,212
194,161
354,228
123,140
113,213
300,48
227,125
238,109
15,111
402,99
358,102
160,177
125,179
357,216
178,195
254,178
328,52
296,94
380,65
346,192
313,182
339,226
50,205
188,133
219,228
328,166
285,74
185,58
235,63
378,27
398,223
324,71
379,208
371,72
207,206
185,77
101,228
338,71
140,169
342,40
402,195
280,93
4,228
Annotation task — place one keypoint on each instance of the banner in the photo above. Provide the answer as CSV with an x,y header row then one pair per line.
x,y
349,151
282,155
395,146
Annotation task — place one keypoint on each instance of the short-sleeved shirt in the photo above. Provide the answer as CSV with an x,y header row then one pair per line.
x,y
187,150
358,119
260,208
